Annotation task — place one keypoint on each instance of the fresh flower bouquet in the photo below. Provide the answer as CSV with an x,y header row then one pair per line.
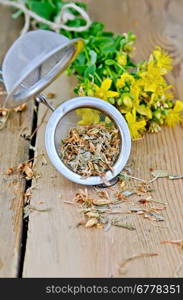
x,y
106,70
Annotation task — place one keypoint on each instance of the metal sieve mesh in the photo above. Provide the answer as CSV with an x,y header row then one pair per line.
x,y
33,62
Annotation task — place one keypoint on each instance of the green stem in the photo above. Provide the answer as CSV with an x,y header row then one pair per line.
x,y
109,71
123,69
98,77
87,56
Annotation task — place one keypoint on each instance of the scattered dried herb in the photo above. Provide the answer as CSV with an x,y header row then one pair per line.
x,y
154,217
28,194
99,202
98,209
20,108
125,176
4,113
9,171
29,209
143,201
83,197
91,222
120,196
128,193
171,177
151,213
134,257
26,168
160,173
178,243
51,95
117,222
91,150
163,173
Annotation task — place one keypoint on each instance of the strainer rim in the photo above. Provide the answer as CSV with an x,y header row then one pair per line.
x,y
95,103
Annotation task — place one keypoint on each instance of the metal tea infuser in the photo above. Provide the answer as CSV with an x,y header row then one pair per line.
x,y
35,60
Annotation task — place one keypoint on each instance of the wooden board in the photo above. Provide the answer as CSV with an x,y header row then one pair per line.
x,y
55,246
13,150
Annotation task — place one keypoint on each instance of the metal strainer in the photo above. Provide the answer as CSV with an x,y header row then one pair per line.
x,y
34,61
30,65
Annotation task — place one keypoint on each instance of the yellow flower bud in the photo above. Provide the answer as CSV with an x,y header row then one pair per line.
x,y
122,59
127,100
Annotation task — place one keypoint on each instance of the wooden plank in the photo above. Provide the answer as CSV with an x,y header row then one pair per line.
x,y
55,247
13,150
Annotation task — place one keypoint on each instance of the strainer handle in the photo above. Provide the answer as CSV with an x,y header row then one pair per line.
x,y
42,99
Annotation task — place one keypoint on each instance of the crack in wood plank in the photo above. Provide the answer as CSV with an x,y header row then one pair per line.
x,y
14,149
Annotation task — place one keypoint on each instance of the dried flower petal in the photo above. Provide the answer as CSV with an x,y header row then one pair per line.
x,y
9,171
20,108
51,95
99,202
28,171
91,222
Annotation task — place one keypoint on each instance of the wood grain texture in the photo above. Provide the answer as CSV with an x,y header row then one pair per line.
x,y
13,150
55,247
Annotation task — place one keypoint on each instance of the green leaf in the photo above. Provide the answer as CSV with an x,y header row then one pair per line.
x,y
109,62
80,69
90,71
108,34
117,42
131,36
76,22
67,33
43,9
103,41
51,2
108,50
96,28
17,14
81,59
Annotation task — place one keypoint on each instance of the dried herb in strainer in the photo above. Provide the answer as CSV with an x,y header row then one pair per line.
x,y
91,150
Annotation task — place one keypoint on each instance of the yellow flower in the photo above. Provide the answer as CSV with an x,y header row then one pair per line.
x,y
125,78
89,116
145,111
127,100
103,92
134,125
151,79
161,94
163,60
174,115
157,95
122,59
169,95
135,91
